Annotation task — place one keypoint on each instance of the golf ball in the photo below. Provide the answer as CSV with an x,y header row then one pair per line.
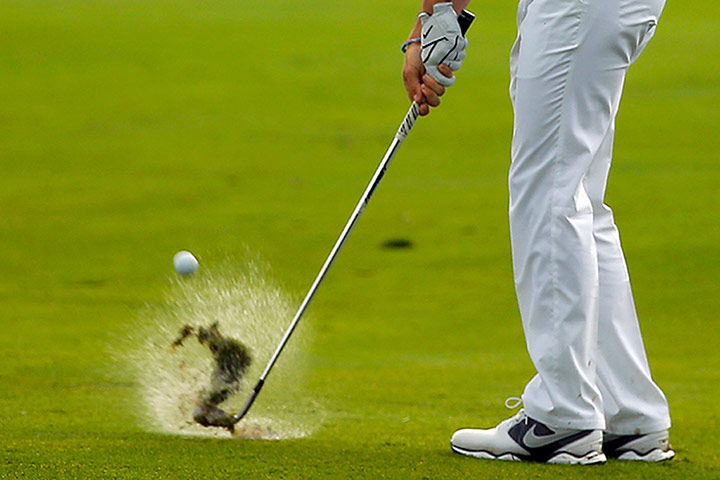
x,y
185,263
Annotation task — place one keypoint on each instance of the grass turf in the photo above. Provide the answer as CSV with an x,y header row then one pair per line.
x,y
129,130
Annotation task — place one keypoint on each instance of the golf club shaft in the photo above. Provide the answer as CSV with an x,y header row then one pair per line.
x,y
464,19
401,134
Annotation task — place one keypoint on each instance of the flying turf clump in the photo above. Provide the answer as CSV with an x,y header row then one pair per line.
x,y
232,360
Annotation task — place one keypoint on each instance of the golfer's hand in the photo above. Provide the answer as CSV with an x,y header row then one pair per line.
x,y
442,41
420,86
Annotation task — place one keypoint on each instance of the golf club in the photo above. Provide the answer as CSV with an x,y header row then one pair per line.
x,y
464,19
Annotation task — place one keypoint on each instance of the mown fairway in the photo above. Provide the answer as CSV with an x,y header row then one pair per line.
x,y
131,129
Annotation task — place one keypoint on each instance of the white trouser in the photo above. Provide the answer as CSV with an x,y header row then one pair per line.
x,y
568,66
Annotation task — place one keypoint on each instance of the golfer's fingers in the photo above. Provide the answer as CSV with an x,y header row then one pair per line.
x,y
445,70
424,109
431,83
432,98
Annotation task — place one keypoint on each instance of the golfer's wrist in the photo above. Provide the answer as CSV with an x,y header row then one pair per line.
x,y
427,5
458,5
416,30
410,43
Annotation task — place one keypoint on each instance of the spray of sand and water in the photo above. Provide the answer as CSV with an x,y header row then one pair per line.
x,y
249,307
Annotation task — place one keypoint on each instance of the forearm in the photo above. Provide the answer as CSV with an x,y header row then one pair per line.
x,y
458,5
427,6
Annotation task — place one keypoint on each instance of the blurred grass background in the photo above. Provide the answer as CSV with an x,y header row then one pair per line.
x,y
130,130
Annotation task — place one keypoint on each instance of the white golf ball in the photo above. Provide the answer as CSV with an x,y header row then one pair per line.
x,y
185,263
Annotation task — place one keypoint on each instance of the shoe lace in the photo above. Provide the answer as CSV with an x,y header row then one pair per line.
x,y
512,403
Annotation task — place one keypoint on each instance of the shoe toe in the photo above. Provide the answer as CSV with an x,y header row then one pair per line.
x,y
469,438
458,437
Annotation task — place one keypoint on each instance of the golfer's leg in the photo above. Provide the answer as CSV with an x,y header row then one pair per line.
x,y
554,257
633,403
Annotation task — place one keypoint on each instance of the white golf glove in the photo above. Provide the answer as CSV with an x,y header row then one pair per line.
x,y
442,42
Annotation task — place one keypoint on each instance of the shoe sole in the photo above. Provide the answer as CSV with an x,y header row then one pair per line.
x,y
566,458
656,455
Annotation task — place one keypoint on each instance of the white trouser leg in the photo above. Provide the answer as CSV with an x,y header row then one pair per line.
x,y
632,402
568,67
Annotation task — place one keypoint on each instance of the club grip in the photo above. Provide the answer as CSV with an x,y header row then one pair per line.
x,y
465,19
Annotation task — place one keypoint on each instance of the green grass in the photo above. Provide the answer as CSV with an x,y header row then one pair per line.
x,y
130,130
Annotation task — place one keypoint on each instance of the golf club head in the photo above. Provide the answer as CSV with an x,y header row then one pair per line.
x,y
213,417
248,403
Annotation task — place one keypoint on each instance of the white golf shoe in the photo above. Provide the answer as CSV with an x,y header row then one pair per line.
x,y
520,438
648,447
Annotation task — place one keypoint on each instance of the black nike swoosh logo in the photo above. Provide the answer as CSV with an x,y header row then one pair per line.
x,y
542,453
612,446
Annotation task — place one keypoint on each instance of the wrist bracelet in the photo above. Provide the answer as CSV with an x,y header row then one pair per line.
x,y
409,42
